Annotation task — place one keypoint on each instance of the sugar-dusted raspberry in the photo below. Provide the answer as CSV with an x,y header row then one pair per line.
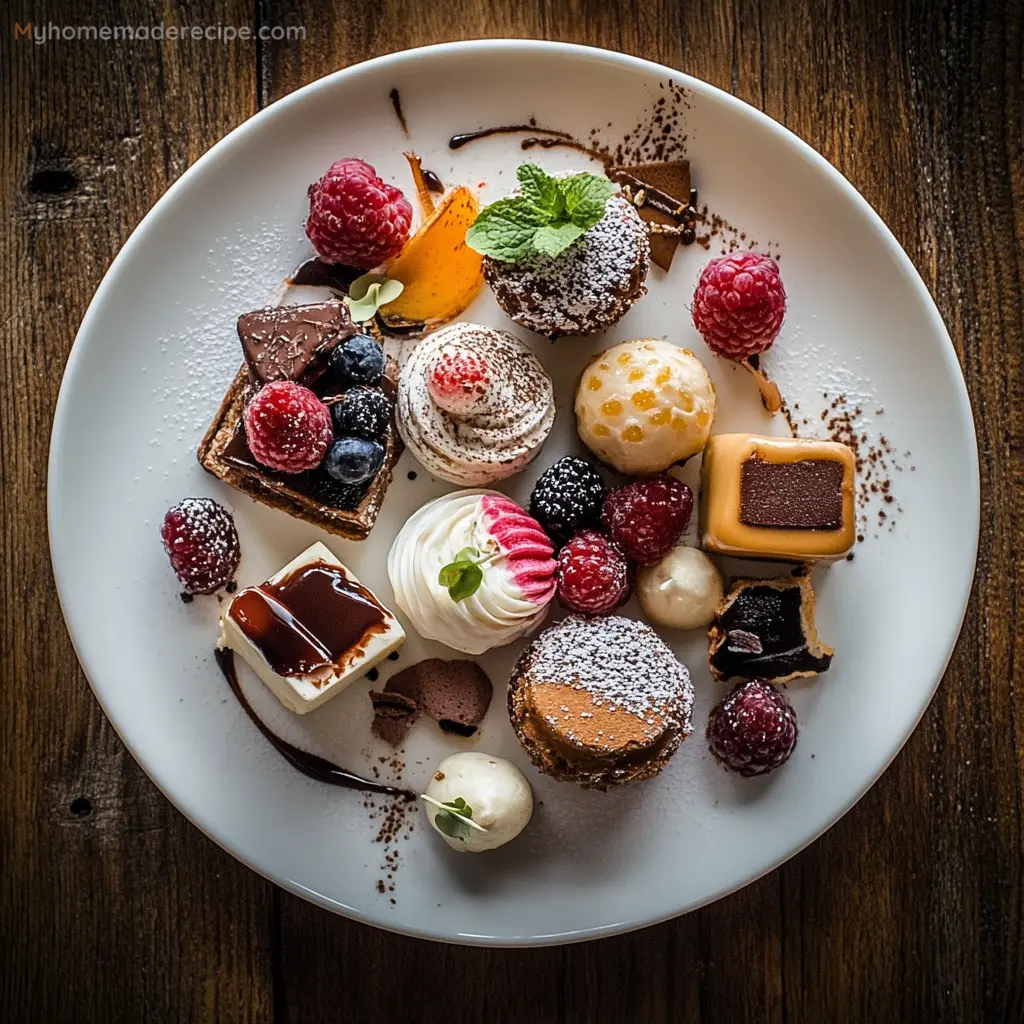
x,y
739,304
567,497
287,427
753,730
201,541
458,380
646,517
356,218
593,575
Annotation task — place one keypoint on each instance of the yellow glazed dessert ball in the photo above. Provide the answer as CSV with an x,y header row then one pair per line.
x,y
645,405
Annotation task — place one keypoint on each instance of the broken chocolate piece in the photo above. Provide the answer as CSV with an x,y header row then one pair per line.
x,y
806,495
318,273
455,694
765,630
660,193
292,342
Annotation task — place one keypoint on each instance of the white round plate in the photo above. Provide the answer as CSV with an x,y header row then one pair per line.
x,y
158,347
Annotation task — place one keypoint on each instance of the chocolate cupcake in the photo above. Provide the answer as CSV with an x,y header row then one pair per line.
x,y
586,288
600,701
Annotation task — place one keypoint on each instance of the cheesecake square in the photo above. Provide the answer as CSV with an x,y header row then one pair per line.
x,y
781,498
310,630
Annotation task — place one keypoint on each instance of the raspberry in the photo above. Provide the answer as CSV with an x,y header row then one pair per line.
x,y
739,304
355,218
287,427
647,517
458,379
592,575
753,730
567,497
200,538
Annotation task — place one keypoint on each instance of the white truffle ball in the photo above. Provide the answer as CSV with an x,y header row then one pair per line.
x,y
682,591
495,789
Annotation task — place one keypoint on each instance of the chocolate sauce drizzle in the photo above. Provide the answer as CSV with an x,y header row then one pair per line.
x,y
311,765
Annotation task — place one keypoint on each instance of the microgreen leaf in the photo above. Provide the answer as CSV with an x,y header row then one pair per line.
x,y
544,217
455,818
467,584
368,293
462,576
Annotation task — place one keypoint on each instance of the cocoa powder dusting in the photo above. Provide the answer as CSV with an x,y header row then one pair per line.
x,y
396,823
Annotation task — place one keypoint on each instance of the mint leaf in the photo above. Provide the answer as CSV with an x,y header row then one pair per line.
x,y
556,238
544,217
467,584
541,190
505,229
585,198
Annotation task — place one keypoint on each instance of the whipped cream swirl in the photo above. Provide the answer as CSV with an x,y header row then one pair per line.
x,y
495,426
518,580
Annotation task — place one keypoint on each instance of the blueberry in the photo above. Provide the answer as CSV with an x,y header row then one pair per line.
x,y
363,412
359,360
353,460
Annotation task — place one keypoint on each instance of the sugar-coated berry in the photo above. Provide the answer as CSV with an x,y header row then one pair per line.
x,y
359,360
645,518
287,427
753,730
354,460
336,494
739,304
567,497
356,218
362,412
201,541
592,576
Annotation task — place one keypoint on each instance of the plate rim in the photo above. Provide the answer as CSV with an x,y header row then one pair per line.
x,y
413,55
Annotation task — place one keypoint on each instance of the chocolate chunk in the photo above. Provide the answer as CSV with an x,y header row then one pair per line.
x,y
802,495
765,630
664,187
319,273
455,694
292,342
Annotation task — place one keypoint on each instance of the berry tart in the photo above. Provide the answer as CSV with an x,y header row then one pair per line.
x,y
306,425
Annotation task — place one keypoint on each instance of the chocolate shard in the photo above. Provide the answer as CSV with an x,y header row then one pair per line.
x,y
661,192
319,273
765,630
292,342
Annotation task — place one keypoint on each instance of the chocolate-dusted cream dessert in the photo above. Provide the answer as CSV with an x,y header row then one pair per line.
x,y
600,701
474,404
765,630
455,694
777,497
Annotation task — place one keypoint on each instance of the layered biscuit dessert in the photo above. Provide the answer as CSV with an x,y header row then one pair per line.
x,y
600,701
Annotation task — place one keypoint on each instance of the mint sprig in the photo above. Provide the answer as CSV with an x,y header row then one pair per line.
x,y
546,215
463,576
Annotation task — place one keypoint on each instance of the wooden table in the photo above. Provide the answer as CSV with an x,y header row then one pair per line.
x,y
113,908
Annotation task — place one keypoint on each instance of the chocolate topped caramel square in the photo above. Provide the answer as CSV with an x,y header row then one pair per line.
x,y
777,498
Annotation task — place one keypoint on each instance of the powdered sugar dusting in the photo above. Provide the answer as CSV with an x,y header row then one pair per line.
x,y
622,663
589,286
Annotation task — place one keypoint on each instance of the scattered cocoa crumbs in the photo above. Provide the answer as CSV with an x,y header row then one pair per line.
x,y
396,823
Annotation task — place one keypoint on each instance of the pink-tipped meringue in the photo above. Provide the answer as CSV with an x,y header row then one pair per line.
x,y
517,561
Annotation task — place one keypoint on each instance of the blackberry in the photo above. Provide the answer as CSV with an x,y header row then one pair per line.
x,y
334,493
567,497
363,412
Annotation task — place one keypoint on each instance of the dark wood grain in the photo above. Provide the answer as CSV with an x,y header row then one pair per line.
x,y
909,909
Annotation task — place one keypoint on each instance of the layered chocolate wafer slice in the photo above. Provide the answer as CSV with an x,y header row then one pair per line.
x,y
295,343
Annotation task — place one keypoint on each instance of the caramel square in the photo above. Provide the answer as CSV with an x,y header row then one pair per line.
x,y
783,498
